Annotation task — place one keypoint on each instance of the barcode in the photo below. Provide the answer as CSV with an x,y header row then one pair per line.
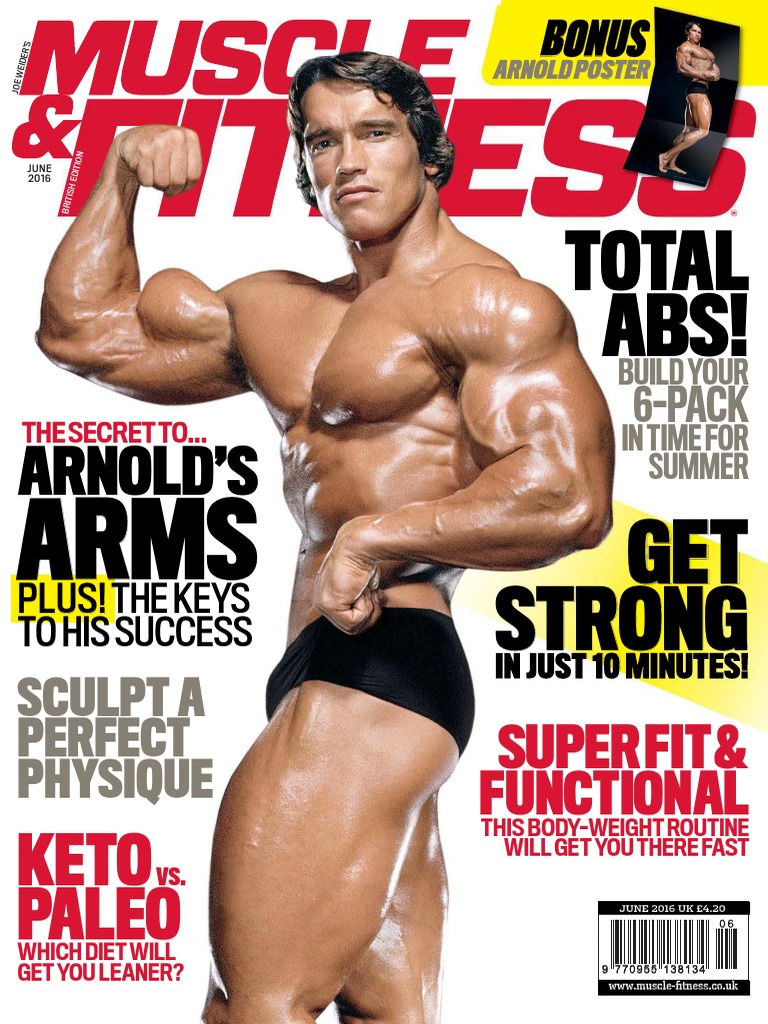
x,y
669,947
725,949
660,941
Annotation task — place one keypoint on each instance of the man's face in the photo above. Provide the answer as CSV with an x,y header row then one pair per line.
x,y
362,160
694,34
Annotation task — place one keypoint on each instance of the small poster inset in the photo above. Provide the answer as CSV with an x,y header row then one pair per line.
x,y
690,99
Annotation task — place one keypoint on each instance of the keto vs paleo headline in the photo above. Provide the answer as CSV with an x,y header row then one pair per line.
x,y
605,828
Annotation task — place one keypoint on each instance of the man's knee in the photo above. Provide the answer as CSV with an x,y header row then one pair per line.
x,y
268,1008
401,1011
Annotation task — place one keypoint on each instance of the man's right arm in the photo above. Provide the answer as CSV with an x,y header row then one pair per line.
x,y
170,342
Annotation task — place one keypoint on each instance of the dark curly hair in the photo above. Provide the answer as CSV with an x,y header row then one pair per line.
x,y
382,74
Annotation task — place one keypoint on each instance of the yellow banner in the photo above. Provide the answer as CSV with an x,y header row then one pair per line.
x,y
602,43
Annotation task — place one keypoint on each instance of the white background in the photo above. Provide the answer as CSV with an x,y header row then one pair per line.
x,y
522,932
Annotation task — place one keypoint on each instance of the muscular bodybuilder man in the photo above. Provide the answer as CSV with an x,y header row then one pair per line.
x,y
698,64
434,413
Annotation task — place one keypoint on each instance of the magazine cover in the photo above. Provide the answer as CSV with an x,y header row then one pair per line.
x,y
383,421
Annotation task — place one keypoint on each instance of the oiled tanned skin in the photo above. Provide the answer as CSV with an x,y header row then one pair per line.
x,y
434,414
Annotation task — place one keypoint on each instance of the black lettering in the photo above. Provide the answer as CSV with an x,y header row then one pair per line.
x,y
525,630
222,530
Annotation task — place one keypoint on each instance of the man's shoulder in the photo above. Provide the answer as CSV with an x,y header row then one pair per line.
x,y
493,290
482,308
694,50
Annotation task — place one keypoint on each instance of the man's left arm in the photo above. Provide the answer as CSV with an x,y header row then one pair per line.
x,y
539,432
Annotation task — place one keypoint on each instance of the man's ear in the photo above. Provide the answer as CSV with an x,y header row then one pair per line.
x,y
431,170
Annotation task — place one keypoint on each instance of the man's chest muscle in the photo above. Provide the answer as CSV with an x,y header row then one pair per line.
x,y
368,364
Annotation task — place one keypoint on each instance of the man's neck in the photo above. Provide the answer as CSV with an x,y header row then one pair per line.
x,y
416,245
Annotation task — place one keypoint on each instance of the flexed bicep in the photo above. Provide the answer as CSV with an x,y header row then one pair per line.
x,y
171,341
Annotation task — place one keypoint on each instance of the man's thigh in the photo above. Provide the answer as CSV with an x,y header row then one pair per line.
x,y
397,979
310,840
701,110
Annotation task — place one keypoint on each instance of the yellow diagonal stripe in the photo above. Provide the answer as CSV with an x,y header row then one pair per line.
x,y
745,699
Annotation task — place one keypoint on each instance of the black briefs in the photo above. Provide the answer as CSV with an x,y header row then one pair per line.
x,y
696,86
411,657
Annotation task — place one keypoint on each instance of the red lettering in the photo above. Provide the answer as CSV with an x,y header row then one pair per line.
x,y
564,147
134,78
65,914
127,914
32,862
104,43
708,799
101,843
276,75
94,929
134,843
34,905
489,790
48,138
506,734
266,153
571,782
467,121
214,50
163,903
355,36
66,858
551,195
416,51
